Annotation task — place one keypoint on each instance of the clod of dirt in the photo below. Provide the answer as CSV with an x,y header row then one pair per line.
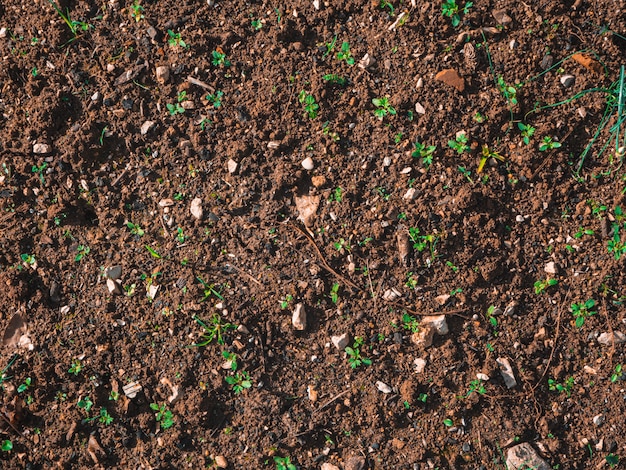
x,y
221,461
174,388
341,341
162,74
355,463
42,149
94,448
501,17
113,272
550,268
298,318
419,365
15,334
452,78
196,208
524,456
312,393
402,239
424,337
307,208
616,337
383,387
442,299
507,372
308,164
166,202
589,63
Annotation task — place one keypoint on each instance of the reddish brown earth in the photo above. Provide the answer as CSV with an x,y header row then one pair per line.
x,y
86,96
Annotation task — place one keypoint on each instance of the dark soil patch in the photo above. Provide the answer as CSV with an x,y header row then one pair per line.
x,y
234,135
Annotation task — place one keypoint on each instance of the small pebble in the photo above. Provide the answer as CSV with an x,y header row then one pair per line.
x,y
42,149
519,218
196,208
598,420
419,109
298,318
567,80
420,365
162,74
383,387
307,164
341,341
146,127
221,462
232,166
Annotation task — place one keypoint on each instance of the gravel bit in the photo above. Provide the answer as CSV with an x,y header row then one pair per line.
x,y
383,387
298,318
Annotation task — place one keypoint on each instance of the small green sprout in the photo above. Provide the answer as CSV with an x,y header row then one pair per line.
x,y
231,359
486,155
28,259
424,152
329,47
180,235
354,354
335,79
383,108
85,404
410,323
137,11
565,387
615,245
450,9
342,244
310,106
75,26
213,330
491,316
219,59
135,229
284,463
385,4
175,40
113,395
459,143
39,170
421,242
240,382
163,415
448,422
336,195
542,284
581,311
285,302
527,132
334,293
583,231
612,460
476,386
208,290
25,385
345,54
105,418
75,367
548,143
83,250
508,91
177,108
6,445
467,173
617,373
215,99
411,280
152,252
256,24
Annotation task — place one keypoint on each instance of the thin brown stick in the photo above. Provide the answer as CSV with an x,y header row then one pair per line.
x,y
200,83
331,401
241,271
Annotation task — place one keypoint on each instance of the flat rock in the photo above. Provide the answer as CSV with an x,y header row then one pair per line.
x,y
507,372
501,17
232,166
298,318
307,209
162,74
383,387
420,365
607,339
550,268
113,272
452,78
355,463
438,322
114,287
146,127
196,208
523,456
329,466
341,341
567,80
308,164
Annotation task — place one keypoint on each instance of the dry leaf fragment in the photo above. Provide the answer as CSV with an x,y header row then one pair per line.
x,y
307,207
452,78
590,64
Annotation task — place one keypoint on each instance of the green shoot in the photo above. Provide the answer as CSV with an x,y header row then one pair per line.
x,y
284,463
213,330
354,354
163,415
137,11
410,323
215,99
310,106
39,171
6,445
334,293
527,132
542,285
547,143
152,252
175,40
335,79
83,250
240,381
581,311
383,108
76,367
615,245
424,152
565,387
459,143
135,229
345,54
450,9
219,59
486,155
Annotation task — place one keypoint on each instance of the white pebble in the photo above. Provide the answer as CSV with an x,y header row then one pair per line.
x,y
307,164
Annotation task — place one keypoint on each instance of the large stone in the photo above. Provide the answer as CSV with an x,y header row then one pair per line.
x,y
523,456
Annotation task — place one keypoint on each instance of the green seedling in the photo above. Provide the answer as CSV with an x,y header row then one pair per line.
x,y
410,323
426,153
385,4
75,26
177,108
219,59
136,11
450,9
114,396
310,106
383,108
411,280
335,79
479,117
83,250
508,91
398,137
565,387
28,259
617,373
421,242
334,293
615,245
612,460
231,359
354,354
527,132
486,155
548,143
581,311
25,385
135,229
448,422
256,24
341,245
39,170
451,265
213,330
175,40
129,290
336,195
240,382
329,47
180,235
105,418
542,284
476,386
75,367
85,404
215,99
163,415
152,252
344,53
204,123
583,231
491,316
285,302
6,445
459,144
467,173
208,290
284,463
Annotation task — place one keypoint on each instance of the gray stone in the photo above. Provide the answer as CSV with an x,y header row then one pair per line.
x,y
383,387
113,272
147,127
567,80
341,341
162,74
42,149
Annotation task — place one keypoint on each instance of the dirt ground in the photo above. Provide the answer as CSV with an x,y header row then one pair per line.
x,y
179,181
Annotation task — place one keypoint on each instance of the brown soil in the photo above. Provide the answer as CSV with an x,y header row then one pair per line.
x,y
492,234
